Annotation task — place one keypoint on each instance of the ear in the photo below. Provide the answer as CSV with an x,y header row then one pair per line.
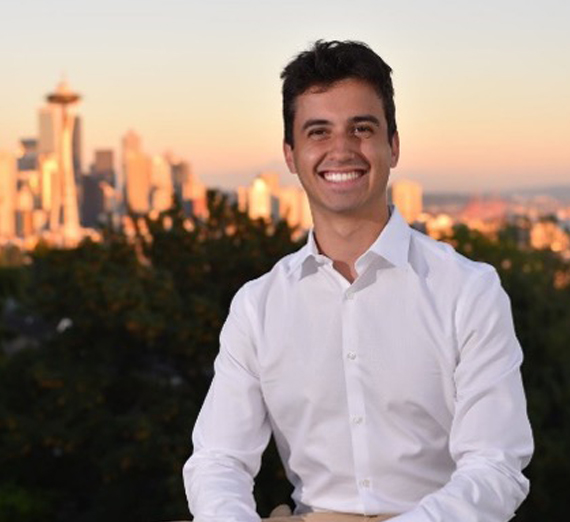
x,y
289,158
395,146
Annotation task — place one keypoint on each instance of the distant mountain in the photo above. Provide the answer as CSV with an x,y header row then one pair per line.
x,y
560,193
444,199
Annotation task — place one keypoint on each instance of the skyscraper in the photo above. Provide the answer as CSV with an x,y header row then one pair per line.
x,y
259,200
137,174
98,194
7,195
104,165
31,218
161,179
294,207
407,196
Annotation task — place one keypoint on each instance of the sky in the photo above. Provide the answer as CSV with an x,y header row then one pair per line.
x,y
482,88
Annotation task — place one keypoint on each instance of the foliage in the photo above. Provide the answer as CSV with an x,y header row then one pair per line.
x,y
95,423
538,283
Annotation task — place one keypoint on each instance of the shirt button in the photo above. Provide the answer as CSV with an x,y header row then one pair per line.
x,y
349,294
356,420
365,483
351,356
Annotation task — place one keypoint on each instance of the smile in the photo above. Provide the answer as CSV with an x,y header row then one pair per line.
x,y
341,177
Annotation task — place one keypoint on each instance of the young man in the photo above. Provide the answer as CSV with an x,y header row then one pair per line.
x,y
384,363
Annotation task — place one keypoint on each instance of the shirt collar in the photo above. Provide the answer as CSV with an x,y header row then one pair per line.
x,y
392,245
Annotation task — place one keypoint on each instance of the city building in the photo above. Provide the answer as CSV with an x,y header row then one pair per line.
x,y
547,234
259,200
7,196
99,199
162,188
104,165
487,215
137,174
31,218
294,207
407,197
266,199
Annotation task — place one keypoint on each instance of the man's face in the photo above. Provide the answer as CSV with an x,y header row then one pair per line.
x,y
341,150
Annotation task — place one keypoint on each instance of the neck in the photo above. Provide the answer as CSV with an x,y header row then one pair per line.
x,y
345,239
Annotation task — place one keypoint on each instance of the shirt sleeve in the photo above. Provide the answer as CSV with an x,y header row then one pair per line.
x,y
490,439
231,432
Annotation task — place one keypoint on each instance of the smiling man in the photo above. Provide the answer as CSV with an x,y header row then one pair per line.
x,y
384,363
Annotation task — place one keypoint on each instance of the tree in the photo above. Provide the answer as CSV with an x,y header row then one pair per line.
x,y
537,282
95,424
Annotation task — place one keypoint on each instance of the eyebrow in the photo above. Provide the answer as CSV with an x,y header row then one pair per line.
x,y
366,118
311,123
370,118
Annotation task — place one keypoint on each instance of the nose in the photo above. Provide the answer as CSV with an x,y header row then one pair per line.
x,y
343,146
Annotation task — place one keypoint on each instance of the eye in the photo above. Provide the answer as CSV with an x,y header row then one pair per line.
x,y
318,133
363,130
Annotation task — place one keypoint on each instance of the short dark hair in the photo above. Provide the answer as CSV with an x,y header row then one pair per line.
x,y
328,62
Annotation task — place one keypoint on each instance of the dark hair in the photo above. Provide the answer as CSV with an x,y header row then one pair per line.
x,y
329,62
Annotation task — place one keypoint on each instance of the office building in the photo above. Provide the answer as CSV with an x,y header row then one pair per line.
x,y
161,184
7,195
137,174
407,197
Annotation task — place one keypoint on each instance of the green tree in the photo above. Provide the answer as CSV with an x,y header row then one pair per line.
x,y
95,424
537,282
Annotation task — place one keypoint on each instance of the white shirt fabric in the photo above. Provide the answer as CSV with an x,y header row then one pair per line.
x,y
398,393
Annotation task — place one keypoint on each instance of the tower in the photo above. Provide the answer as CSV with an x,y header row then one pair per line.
x,y
64,215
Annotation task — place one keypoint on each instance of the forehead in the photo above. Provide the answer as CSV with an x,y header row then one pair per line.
x,y
343,99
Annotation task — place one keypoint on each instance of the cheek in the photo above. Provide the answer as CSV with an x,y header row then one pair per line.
x,y
379,155
309,155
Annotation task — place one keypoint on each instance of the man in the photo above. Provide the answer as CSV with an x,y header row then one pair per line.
x,y
384,363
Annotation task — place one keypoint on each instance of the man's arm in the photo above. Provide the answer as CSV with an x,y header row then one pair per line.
x,y
490,439
231,432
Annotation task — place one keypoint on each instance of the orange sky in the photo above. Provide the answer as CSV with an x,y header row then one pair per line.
x,y
482,88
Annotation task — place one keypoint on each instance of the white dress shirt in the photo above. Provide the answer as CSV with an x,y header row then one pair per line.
x,y
398,393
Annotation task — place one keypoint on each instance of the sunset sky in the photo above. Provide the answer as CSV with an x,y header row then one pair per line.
x,y
482,88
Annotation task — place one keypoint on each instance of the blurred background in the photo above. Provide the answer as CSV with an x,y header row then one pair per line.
x,y
142,183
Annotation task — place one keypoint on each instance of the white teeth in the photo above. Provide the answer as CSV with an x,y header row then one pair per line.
x,y
339,177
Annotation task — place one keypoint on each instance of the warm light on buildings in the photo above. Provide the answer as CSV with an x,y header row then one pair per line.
x,y
439,226
547,234
42,190
266,199
259,200
294,207
137,169
161,184
64,207
7,195
407,196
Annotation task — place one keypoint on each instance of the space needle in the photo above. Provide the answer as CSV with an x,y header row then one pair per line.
x,y
64,215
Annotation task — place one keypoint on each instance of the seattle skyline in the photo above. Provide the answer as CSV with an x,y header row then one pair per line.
x,y
481,90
